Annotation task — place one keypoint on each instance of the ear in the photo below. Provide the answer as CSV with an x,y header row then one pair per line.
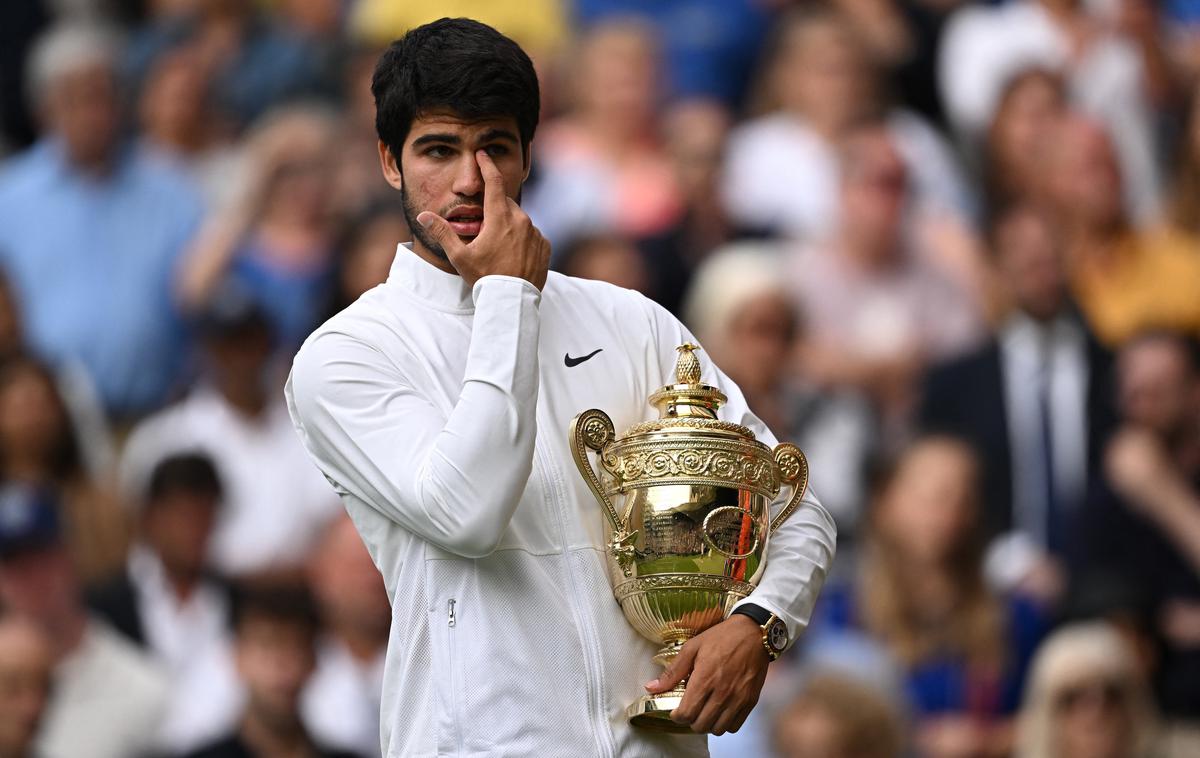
x,y
528,162
390,166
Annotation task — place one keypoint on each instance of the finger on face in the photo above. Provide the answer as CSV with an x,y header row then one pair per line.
x,y
493,183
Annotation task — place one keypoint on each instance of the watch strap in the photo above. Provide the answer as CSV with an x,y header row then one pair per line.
x,y
760,615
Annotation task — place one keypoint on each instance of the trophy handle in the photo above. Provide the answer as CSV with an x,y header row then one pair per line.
x,y
793,469
594,429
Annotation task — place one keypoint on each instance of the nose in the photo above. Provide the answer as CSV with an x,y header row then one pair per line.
x,y
468,179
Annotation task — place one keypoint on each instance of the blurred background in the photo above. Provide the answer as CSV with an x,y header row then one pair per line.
x,y
950,248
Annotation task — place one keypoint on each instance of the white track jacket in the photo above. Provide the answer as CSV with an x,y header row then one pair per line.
x,y
439,413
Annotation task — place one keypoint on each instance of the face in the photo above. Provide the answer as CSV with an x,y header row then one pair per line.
x,y
438,171
368,262
347,584
275,659
809,731
927,509
695,136
822,74
759,339
618,73
1084,175
1031,264
1157,388
178,526
81,107
1024,124
25,664
614,261
40,584
1091,719
32,419
173,100
874,188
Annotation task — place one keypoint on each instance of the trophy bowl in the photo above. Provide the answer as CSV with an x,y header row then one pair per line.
x,y
690,537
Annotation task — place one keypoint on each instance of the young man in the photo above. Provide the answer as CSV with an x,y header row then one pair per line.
x,y
438,406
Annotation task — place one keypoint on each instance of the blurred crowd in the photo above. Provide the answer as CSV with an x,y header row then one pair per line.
x,y
950,248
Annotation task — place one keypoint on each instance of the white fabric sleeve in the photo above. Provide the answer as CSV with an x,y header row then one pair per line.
x,y
453,480
800,553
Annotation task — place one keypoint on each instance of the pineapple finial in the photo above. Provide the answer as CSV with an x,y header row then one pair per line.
x,y
687,368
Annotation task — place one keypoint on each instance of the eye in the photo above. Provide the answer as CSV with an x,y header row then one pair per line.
x,y
437,151
497,150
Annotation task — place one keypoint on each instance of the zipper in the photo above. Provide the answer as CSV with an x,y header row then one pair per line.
x,y
450,619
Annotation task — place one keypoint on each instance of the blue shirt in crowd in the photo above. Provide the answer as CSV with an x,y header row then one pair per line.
x,y
92,260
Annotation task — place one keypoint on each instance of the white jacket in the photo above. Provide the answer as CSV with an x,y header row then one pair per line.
x,y
440,415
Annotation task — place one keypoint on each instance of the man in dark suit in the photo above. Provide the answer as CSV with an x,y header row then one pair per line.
x,y
1036,402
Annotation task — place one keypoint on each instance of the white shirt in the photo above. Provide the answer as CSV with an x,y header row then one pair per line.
x,y
340,705
440,413
192,641
985,46
780,174
276,502
106,701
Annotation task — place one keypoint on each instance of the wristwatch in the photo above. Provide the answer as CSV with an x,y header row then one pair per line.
x,y
775,633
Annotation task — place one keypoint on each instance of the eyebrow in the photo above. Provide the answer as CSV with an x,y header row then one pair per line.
x,y
491,135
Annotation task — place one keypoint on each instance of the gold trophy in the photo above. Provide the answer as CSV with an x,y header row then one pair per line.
x,y
690,539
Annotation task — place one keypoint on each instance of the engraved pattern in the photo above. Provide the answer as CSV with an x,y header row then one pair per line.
x,y
793,466
683,582
747,465
596,433
688,422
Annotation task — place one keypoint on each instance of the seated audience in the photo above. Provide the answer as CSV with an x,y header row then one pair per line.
x,y
920,595
740,308
167,602
92,229
835,716
341,702
1086,699
1035,401
275,632
25,679
276,502
108,697
1125,280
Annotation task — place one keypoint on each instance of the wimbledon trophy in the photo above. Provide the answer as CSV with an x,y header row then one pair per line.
x,y
690,538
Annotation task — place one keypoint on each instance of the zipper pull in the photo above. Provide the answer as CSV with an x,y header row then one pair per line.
x,y
450,621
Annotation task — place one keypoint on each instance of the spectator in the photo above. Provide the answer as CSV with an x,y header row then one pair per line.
x,y
1125,281
782,168
1146,523
837,717
1035,403
1086,699
875,312
107,697
275,630
919,593
276,501
740,307
277,238
167,602
366,252
607,259
603,167
1020,136
256,63
1106,75
25,665
39,447
342,700
91,231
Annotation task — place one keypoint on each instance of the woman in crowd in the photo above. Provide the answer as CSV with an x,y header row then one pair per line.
x,y
919,594
1019,135
1087,698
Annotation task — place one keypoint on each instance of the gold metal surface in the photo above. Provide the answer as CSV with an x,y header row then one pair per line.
x,y
690,538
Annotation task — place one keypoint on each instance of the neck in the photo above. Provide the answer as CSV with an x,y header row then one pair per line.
x,y
246,398
868,251
280,737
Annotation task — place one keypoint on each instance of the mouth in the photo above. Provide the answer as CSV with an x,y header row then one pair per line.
x,y
465,220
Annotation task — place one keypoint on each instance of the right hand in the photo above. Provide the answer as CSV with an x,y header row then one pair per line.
x,y
508,243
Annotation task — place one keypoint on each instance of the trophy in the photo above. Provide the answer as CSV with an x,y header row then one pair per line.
x,y
689,539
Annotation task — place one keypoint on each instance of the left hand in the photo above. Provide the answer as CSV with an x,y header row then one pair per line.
x,y
1140,469
727,664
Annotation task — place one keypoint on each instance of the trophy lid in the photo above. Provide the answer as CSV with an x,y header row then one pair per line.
x,y
688,396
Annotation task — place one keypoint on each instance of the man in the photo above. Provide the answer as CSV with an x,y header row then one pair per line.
x,y
91,230
275,629
275,504
438,406
341,702
167,602
1035,403
107,697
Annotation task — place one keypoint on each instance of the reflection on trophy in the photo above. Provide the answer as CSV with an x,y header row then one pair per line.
x,y
689,539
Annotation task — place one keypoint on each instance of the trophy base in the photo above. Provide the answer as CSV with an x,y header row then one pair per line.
x,y
653,712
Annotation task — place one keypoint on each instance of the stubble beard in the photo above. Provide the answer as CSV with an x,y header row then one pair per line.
x,y
418,232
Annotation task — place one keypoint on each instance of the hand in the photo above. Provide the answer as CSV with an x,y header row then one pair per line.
x,y
1140,469
727,664
508,243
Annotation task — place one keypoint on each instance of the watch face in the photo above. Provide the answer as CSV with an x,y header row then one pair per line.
x,y
777,636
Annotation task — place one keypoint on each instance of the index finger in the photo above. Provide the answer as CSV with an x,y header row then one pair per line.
x,y
494,199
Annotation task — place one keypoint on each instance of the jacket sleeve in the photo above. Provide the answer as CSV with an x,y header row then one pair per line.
x,y
800,553
452,479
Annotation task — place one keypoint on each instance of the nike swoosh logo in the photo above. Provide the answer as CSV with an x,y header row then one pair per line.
x,y
571,362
